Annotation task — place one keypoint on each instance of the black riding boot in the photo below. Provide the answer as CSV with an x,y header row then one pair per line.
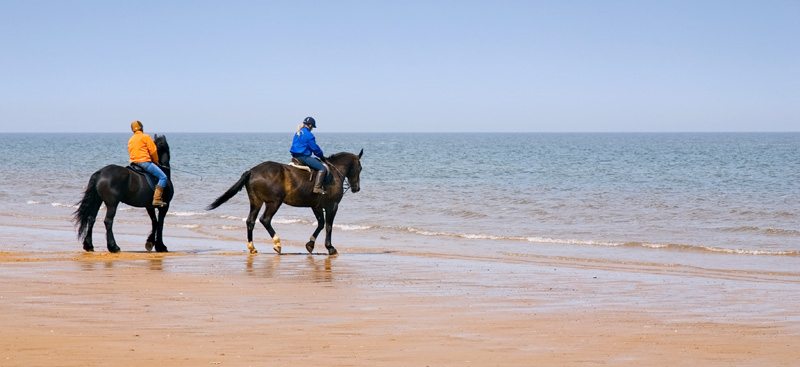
x,y
318,182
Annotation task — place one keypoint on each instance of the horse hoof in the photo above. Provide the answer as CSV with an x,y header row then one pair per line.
x,y
88,248
332,252
251,248
277,248
149,246
161,248
114,249
310,246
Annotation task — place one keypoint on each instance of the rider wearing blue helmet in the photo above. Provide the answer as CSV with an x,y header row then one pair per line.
x,y
303,145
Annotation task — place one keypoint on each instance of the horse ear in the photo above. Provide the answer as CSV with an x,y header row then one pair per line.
x,y
360,153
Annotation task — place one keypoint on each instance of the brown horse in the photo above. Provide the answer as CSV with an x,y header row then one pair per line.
x,y
271,184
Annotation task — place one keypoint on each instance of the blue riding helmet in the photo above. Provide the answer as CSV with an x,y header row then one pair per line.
x,y
310,121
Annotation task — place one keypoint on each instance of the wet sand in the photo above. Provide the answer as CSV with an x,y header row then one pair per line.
x,y
378,305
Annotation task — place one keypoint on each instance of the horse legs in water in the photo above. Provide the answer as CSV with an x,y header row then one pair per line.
x,y
320,215
270,208
151,239
324,220
330,213
156,239
111,211
162,213
251,222
266,220
87,241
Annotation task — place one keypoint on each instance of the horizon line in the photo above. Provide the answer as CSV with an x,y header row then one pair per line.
x,y
416,132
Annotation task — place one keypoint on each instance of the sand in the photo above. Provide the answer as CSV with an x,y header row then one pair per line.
x,y
386,308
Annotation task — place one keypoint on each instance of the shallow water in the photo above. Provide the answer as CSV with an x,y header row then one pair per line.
x,y
716,198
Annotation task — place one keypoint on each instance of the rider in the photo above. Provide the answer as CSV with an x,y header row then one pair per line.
x,y
143,152
303,145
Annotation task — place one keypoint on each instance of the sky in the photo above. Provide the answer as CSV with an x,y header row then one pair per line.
x,y
400,66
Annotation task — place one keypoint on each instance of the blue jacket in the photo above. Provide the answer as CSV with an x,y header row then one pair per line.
x,y
304,143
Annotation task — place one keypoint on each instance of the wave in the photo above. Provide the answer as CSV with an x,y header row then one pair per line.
x,y
582,242
781,231
188,226
762,213
768,231
352,227
187,214
466,214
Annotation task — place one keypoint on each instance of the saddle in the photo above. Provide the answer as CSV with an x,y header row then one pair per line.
x,y
151,180
296,163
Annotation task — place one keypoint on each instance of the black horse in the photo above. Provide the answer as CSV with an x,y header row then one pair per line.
x,y
271,184
114,184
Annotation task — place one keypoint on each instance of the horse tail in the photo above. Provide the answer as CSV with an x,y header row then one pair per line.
x,y
231,191
88,206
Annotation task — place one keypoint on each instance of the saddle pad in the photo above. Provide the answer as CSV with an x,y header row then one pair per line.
x,y
151,180
304,168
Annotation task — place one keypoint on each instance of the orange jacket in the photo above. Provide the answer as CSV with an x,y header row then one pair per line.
x,y
142,148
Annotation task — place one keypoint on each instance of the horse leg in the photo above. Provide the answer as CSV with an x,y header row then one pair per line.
x,y
162,213
151,239
111,211
320,215
251,222
87,241
330,213
266,219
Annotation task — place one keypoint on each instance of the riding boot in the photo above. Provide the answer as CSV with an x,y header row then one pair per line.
x,y
318,182
157,196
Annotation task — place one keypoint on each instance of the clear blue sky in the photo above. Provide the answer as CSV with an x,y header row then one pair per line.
x,y
380,66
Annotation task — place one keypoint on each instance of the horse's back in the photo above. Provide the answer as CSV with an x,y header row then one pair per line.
x,y
112,173
120,184
268,173
273,181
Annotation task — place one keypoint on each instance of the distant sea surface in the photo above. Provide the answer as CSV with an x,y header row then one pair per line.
x,y
643,197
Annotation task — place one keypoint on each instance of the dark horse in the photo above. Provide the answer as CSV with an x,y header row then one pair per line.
x,y
114,184
271,184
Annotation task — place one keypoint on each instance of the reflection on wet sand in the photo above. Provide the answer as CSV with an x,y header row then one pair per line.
x,y
318,269
89,262
322,272
270,267
157,264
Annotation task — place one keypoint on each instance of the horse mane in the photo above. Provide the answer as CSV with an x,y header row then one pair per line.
x,y
337,156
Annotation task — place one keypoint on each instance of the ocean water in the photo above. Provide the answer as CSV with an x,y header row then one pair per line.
x,y
644,197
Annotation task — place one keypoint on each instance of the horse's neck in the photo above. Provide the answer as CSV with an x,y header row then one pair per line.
x,y
340,168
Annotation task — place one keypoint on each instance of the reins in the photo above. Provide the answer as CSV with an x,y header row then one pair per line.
x,y
191,173
345,181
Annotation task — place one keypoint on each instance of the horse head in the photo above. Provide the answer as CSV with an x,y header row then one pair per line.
x,y
351,165
163,149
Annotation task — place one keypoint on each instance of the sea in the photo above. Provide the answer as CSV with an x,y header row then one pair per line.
x,y
727,199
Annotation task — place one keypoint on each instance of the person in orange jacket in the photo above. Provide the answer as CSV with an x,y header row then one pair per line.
x,y
143,152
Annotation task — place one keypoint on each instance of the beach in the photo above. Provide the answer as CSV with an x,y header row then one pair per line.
x,y
587,250
380,303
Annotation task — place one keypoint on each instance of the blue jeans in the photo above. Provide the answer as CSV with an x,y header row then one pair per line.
x,y
311,162
153,169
